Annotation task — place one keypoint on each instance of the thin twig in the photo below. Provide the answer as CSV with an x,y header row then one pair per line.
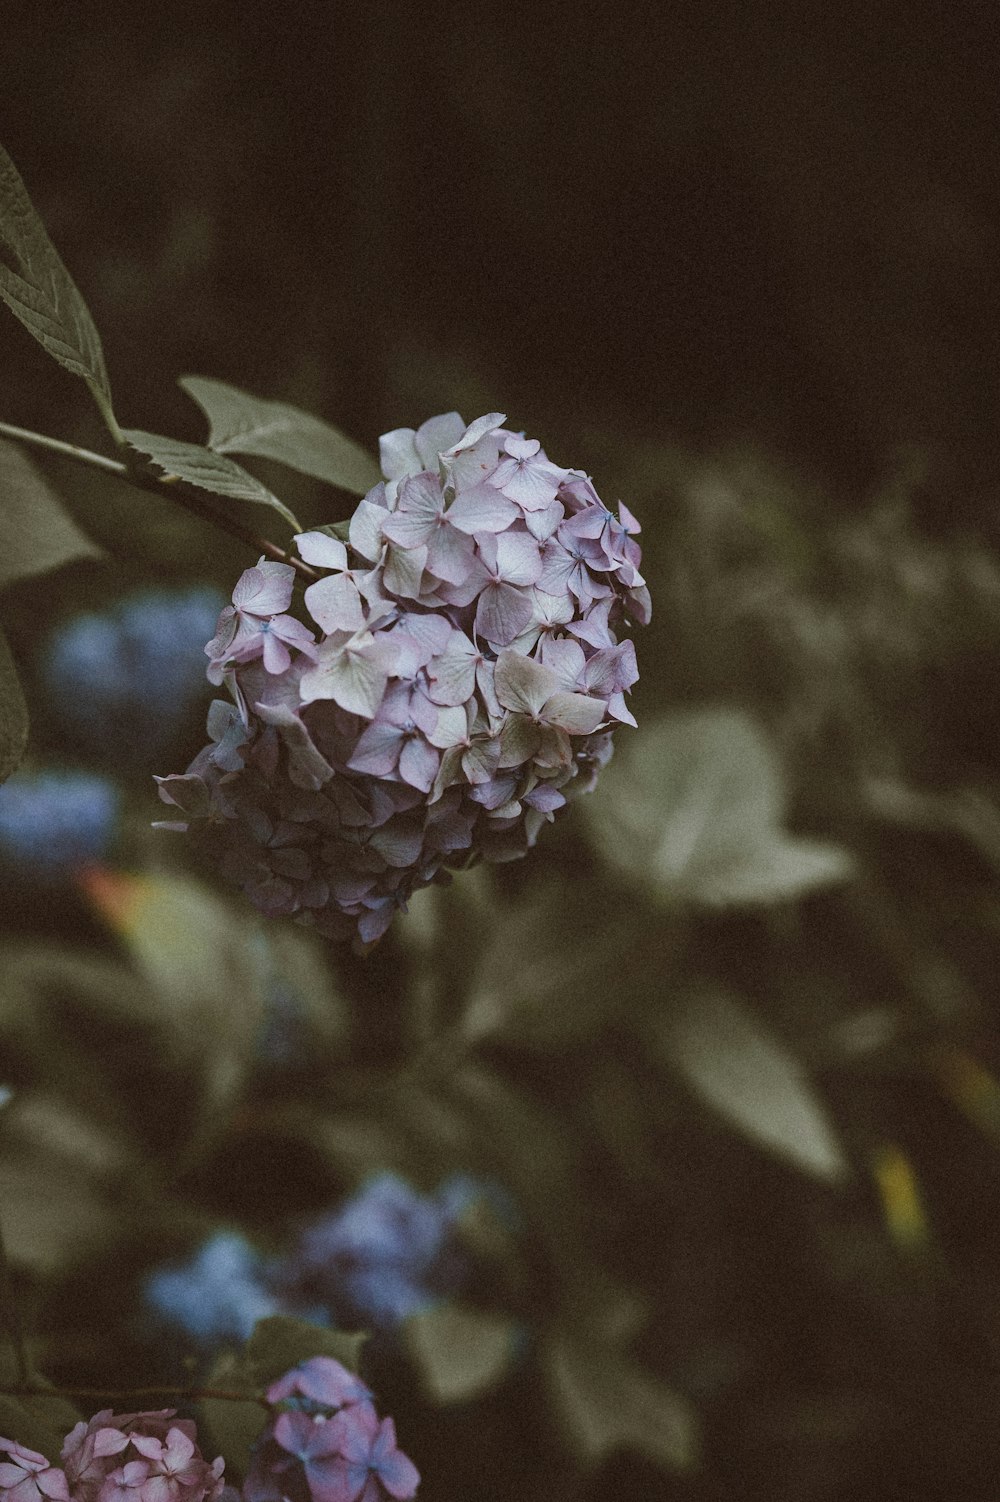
x,y
165,1390
169,485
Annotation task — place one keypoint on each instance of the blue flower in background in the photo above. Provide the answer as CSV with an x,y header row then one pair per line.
x,y
386,1252
53,821
218,1294
122,681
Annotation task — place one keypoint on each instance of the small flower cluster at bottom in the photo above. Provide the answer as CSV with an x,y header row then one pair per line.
x,y
128,1457
324,1442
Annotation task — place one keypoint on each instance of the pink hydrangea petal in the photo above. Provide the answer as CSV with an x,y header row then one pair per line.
x,y
436,435
481,509
266,589
503,611
418,763
335,604
321,550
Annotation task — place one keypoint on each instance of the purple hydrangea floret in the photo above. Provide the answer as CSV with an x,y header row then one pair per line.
x,y
467,672
385,1253
349,1455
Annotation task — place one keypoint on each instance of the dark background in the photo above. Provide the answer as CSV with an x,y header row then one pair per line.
x,y
773,219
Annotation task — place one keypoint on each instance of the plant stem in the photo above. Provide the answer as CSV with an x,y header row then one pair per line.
x,y
185,495
166,1390
11,1316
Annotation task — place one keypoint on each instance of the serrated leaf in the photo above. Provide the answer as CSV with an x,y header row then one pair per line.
x,y
40,291
693,808
607,1404
37,533
276,1345
206,470
732,1061
13,713
459,1352
245,424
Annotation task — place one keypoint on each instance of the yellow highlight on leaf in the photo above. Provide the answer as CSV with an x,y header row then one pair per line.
x,y
900,1195
970,1086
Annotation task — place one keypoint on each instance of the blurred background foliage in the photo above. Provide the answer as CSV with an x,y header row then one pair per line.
x,y
720,1060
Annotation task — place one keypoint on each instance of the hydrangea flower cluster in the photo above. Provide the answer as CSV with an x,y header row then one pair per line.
x,y
386,1252
132,1457
466,678
326,1443
122,680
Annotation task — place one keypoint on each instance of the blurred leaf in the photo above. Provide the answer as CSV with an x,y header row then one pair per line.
x,y
207,471
692,807
459,1352
279,1343
41,293
56,1168
546,975
37,533
207,979
39,1422
245,424
276,1345
607,1403
13,713
738,1068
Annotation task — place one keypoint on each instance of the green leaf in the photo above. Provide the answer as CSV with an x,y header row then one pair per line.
x,y
276,1345
608,1403
207,471
39,290
279,1343
245,424
739,1069
37,534
459,1352
13,713
692,810
40,1422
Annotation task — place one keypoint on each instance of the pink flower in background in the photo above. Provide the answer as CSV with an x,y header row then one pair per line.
x,y
470,670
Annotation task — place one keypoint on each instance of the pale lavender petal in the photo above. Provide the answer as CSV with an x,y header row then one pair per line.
x,y
436,435
335,604
418,763
481,509
452,728
365,531
628,521
522,684
450,554
408,530
398,453
481,760
619,710
519,560
354,681
502,612
543,523
452,674
322,550
574,713
398,844
378,749
276,655
266,589
565,658
404,569
475,431
307,767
